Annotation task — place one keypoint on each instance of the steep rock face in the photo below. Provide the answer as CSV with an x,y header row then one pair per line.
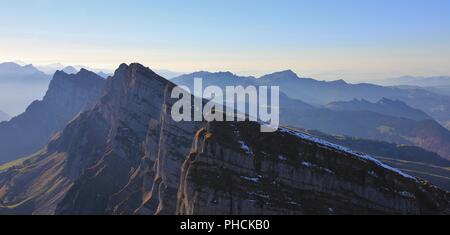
x,y
103,153
133,100
67,95
147,181
127,156
41,182
233,169
174,143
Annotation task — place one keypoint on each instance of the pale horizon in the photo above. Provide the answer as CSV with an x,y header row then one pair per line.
x,y
356,41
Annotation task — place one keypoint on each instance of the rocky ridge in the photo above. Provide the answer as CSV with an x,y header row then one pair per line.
x,y
66,96
127,156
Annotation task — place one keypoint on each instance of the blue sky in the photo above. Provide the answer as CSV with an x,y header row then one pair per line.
x,y
349,39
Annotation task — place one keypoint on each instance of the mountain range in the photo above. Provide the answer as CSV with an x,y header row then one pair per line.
x,y
386,119
384,106
67,95
322,92
50,69
20,85
23,84
439,84
418,81
319,93
127,156
12,72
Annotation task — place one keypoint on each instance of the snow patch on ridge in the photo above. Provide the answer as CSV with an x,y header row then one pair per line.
x,y
343,149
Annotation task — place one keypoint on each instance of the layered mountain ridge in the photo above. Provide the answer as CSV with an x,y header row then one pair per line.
x,y
128,156
16,73
296,174
20,85
67,95
391,120
323,92
395,108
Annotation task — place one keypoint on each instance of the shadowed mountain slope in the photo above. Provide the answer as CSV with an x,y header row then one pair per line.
x,y
67,95
128,156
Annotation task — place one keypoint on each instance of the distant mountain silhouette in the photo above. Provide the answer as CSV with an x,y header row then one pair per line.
x,y
418,81
4,116
386,120
385,106
103,75
12,72
127,156
221,79
442,90
50,69
167,74
67,95
322,93
70,70
19,86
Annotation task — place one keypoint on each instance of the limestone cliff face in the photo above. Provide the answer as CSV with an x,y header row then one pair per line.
x,y
127,156
132,104
233,169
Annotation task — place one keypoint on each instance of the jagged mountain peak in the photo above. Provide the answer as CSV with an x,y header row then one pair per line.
x,y
208,75
70,70
385,100
134,68
60,73
83,78
66,96
285,74
395,103
13,68
339,82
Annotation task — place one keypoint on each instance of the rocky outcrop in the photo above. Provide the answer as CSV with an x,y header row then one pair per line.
x,y
233,169
127,156
132,108
67,96
148,150
12,72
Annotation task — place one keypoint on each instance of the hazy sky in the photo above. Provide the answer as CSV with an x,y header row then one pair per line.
x,y
349,39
